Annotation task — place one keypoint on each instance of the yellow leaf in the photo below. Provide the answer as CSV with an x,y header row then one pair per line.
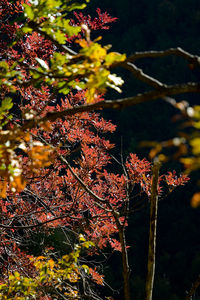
x,y
195,143
90,95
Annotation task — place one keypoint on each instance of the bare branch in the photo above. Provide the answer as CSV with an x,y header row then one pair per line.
x,y
189,87
155,54
140,75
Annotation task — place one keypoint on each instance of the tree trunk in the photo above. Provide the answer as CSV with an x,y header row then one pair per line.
x,y
152,232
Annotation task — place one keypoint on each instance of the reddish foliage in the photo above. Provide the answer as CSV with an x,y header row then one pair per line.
x,y
53,193
96,277
99,22
173,180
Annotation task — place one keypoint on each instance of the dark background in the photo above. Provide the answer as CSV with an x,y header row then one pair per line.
x,y
155,25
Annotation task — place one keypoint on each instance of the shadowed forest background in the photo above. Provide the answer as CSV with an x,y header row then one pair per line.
x,y
156,25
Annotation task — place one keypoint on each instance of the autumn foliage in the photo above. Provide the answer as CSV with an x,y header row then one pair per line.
x,y
56,174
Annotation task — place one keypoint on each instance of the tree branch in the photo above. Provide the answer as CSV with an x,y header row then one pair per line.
x,y
189,87
140,75
155,54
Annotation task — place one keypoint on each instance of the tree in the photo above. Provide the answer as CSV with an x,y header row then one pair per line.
x,y
54,157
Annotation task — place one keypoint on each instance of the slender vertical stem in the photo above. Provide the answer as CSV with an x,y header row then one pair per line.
x,y
125,265
152,232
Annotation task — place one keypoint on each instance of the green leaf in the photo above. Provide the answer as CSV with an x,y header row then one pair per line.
x,y
3,66
69,29
28,11
27,29
64,90
60,37
76,5
6,104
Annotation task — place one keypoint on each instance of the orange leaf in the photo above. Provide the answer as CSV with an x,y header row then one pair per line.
x,y
195,202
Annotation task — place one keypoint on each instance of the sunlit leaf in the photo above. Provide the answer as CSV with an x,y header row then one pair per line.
x,y
28,11
42,63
